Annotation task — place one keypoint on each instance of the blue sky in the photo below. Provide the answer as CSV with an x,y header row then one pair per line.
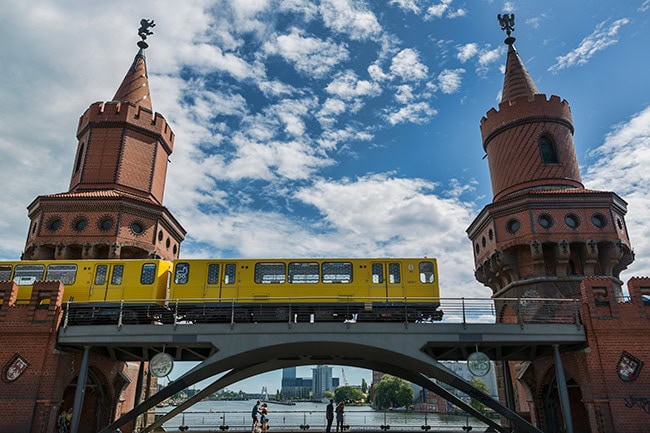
x,y
331,128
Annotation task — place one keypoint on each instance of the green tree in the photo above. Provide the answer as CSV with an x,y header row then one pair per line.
x,y
348,394
392,392
481,386
364,386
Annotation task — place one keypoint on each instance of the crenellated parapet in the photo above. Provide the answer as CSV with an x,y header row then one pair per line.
x,y
112,113
524,110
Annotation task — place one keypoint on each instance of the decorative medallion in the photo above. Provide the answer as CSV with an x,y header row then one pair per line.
x,y
14,368
628,367
161,365
478,363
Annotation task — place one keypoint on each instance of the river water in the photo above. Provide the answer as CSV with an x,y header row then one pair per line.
x,y
210,415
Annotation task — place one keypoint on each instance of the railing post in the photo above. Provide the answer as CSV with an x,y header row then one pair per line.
x,y
66,317
176,313
463,304
576,312
120,317
232,313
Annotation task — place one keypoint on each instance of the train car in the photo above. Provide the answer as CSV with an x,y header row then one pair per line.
x,y
93,281
207,290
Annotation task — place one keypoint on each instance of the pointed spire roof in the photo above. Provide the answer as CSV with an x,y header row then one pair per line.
x,y
517,81
135,85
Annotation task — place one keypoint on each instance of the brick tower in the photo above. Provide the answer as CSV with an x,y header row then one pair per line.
x,y
545,236
543,232
113,208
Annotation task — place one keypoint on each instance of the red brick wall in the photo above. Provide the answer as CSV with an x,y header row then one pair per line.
x,y
32,402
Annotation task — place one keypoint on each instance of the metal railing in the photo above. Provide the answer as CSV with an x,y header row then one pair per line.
x,y
313,420
304,310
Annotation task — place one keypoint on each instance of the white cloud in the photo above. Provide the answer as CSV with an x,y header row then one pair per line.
x,y
407,66
350,17
438,10
449,80
601,38
409,5
346,85
418,112
621,165
309,55
467,51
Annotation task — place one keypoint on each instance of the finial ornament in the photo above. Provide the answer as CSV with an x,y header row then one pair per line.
x,y
507,22
144,31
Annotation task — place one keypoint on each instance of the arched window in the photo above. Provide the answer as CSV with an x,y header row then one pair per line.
x,y
77,164
547,150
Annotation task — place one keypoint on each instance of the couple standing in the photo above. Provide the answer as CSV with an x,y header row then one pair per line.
x,y
263,411
329,415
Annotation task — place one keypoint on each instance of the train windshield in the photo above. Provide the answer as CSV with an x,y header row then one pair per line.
x,y
426,272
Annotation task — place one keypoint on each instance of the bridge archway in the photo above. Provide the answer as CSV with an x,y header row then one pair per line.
x,y
404,354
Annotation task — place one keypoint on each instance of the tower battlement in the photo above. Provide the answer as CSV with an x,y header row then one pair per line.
x,y
125,112
525,109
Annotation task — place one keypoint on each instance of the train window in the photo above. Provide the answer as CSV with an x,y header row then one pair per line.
x,y
270,273
67,274
181,273
148,275
229,274
337,272
426,272
213,273
118,273
25,275
5,272
377,273
303,273
394,275
100,274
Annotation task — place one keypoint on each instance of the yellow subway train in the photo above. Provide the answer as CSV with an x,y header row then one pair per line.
x,y
238,290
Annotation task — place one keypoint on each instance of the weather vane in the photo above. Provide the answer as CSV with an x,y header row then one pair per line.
x,y
507,22
144,31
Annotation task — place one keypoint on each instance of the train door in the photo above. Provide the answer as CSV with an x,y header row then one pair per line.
x,y
108,284
229,285
387,280
212,285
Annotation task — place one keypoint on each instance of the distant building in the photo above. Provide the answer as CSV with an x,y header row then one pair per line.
x,y
321,381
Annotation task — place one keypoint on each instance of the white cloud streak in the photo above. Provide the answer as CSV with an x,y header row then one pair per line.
x,y
601,38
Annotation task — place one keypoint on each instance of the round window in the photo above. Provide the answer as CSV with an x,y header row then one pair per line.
x,y
490,234
79,224
572,220
483,242
137,227
619,222
545,220
599,220
105,224
513,225
54,224
160,235
478,248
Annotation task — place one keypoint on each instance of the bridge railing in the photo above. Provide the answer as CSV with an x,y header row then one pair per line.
x,y
299,310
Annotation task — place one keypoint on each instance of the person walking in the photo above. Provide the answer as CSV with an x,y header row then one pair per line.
x,y
339,416
254,416
329,415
